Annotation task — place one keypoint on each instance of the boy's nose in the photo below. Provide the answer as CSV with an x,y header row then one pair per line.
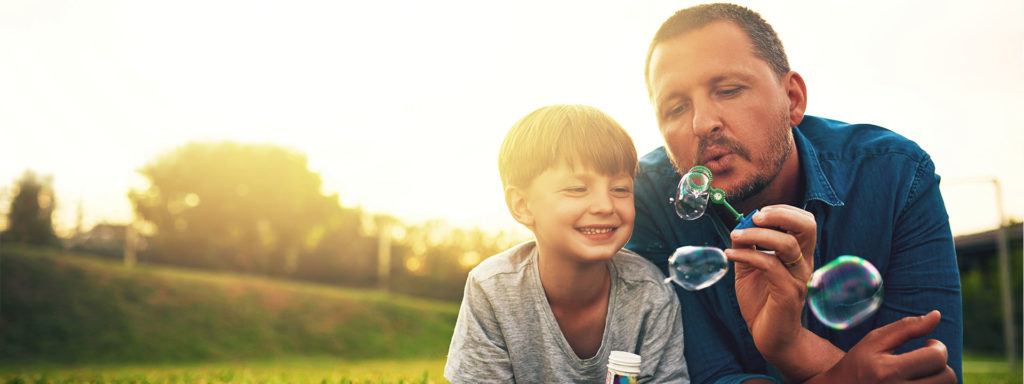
x,y
601,203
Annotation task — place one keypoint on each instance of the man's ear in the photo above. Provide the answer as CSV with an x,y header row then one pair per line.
x,y
796,92
515,199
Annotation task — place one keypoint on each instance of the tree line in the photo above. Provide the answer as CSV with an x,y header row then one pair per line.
x,y
258,209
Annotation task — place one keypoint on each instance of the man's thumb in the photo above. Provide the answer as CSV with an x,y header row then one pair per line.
x,y
892,336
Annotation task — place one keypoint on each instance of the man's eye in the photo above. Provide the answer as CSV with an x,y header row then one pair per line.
x,y
730,91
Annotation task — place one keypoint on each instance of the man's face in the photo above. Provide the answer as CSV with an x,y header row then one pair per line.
x,y
720,106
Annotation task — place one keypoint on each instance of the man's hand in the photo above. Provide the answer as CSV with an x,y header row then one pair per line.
x,y
771,287
872,361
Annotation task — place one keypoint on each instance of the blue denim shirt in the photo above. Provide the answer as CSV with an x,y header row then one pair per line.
x,y
873,193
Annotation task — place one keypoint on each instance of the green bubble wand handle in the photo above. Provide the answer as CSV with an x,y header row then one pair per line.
x,y
717,196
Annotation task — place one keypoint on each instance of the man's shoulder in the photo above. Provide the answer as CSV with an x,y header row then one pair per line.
x,y
834,139
655,161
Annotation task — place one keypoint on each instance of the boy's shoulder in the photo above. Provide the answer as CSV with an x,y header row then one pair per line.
x,y
641,281
511,261
635,268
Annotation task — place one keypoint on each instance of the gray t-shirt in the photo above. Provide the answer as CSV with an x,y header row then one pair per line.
x,y
506,331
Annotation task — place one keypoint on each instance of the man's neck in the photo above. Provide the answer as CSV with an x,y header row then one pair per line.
x,y
786,188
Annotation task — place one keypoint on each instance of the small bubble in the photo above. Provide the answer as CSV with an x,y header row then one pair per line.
x,y
845,292
692,195
695,268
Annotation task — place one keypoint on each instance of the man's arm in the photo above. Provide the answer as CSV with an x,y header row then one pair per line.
x,y
711,355
921,276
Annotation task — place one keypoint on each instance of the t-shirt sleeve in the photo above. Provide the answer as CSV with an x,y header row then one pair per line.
x,y
478,352
662,347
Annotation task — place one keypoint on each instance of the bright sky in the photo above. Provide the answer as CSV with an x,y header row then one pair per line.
x,y
401,105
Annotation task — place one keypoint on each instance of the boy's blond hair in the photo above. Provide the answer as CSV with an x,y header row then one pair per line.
x,y
571,133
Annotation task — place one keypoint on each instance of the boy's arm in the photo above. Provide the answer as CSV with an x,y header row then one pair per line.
x,y
478,352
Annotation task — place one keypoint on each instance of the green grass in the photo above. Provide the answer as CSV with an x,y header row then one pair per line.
x,y
986,370
324,370
58,307
316,370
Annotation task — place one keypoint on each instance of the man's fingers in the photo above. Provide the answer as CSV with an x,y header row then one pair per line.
x,y
786,218
778,275
787,249
890,337
756,259
924,362
766,239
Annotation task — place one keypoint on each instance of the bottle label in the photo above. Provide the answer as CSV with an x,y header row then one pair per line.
x,y
615,378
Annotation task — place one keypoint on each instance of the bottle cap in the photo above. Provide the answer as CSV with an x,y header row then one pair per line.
x,y
624,362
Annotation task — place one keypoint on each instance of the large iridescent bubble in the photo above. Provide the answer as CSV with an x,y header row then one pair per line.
x,y
691,197
845,292
695,268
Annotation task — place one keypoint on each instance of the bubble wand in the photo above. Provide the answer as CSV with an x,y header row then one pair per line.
x,y
693,193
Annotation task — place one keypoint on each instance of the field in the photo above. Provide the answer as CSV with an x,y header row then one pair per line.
x,y
71,309
317,370
325,370
982,370
154,324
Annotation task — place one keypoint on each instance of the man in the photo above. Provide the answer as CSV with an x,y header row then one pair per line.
x,y
725,98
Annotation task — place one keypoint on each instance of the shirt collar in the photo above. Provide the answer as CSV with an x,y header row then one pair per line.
x,y
817,185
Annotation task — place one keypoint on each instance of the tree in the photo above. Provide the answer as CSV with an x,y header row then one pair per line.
x,y
30,219
225,205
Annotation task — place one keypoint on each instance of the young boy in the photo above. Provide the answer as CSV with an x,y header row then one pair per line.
x,y
551,310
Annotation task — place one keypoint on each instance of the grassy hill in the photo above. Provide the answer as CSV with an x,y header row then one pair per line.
x,y
60,307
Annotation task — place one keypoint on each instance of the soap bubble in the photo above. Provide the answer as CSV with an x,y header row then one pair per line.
x,y
696,268
845,292
692,193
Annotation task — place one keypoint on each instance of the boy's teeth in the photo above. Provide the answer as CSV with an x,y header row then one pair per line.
x,y
592,231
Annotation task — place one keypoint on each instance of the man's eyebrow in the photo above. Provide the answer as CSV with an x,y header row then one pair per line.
x,y
729,76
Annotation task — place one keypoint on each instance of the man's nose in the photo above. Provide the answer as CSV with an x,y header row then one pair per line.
x,y
706,119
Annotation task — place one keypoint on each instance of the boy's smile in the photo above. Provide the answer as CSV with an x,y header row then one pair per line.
x,y
579,214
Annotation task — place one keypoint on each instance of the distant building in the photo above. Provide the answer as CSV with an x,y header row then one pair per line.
x,y
977,248
105,239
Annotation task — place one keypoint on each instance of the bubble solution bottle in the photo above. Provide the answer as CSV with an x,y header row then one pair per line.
x,y
623,368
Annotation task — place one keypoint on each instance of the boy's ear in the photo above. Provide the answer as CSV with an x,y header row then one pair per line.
x,y
515,199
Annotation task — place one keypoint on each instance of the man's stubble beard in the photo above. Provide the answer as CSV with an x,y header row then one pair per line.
x,y
780,146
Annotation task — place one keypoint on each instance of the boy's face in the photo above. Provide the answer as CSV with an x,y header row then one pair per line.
x,y
580,214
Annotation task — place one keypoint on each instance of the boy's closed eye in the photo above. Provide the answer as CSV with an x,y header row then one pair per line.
x,y
575,190
622,191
